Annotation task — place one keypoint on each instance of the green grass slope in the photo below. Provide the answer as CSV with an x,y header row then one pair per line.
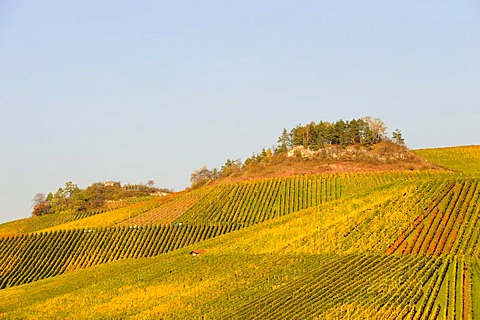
x,y
464,159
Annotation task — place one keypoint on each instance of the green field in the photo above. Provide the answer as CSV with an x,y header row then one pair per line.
x,y
463,159
391,245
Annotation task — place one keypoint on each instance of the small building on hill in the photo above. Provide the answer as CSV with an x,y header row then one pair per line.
x,y
194,252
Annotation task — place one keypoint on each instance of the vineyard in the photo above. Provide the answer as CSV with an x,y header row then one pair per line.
x,y
465,159
369,287
391,245
32,257
449,226
101,238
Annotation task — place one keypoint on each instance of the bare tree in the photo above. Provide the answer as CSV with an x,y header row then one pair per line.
x,y
377,127
202,175
40,204
39,198
150,183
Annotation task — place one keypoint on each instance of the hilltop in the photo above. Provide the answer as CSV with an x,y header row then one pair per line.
x,y
357,145
383,156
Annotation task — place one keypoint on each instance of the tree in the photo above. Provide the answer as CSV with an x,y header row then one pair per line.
x,y
359,131
40,205
70,190
231,166
150,183
323,133
306,135
368,137
285,140
296,135
397,137
202,176
340,133
38,199
377,128
355,131
312,134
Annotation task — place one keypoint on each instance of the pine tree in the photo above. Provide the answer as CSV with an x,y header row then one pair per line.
x,y
397,137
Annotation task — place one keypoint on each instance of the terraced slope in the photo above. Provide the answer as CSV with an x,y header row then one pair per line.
x,y
29,258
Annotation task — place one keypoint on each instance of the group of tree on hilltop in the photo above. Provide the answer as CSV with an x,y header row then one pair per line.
x,y
71,198
365,131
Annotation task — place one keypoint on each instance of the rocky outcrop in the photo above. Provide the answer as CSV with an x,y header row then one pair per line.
x,y
382,152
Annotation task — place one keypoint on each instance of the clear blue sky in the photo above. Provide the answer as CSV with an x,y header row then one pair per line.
x,y
138,90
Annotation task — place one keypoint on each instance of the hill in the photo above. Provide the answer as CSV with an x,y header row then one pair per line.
x,y
392,244
384,156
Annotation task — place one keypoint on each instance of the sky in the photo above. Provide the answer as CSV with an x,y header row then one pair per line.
x,y
137,90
